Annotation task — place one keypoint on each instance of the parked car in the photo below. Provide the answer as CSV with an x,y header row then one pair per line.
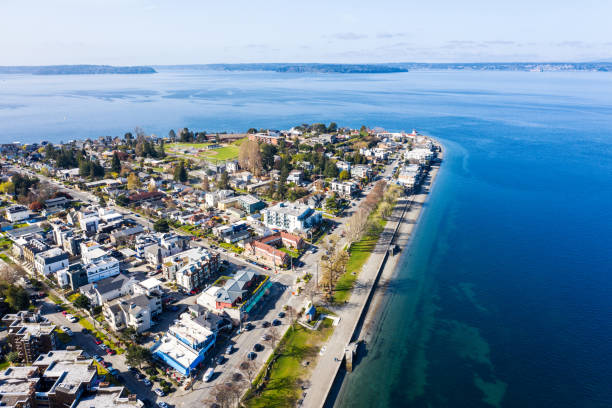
x,y
220,359
105,364
97,358
276,322
162,404
147,382
249,326
67,330
98,341
229,349
252,356
281,314
266,324
258,347
209,374
113,371
110,351
159,392
265,337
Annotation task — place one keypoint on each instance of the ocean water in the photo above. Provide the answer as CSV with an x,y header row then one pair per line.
x,y
504,297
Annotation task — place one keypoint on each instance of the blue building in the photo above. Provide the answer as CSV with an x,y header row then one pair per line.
x,y
186,343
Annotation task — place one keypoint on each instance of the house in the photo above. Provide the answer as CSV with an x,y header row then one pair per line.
x,y
16,213
107,289
169,244
213,198
190,269
132,311
235,232
344,188
97,262
361,171
148,196
237,295
50,261
295,176
186,343
293,217
29,334
124,235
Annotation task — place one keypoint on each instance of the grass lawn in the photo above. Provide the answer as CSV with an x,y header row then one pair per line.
x,y
292,253
4,365
231,247
298,345
55,299
73,297
359,253
6,259
100,335
227,152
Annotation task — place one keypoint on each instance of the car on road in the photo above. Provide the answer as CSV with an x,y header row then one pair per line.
x,y
113,371
266,323
105,364
252,356
162,404
64,312
249,326
281,314
159,392
98,341
276,322
147,382
139,376
229,349
221,359
258,347
265,337
110,351
97,358
67,330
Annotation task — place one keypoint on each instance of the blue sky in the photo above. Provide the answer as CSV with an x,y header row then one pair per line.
x,y
124,32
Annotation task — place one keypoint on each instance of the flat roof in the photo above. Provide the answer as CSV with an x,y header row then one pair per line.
x,y
177,350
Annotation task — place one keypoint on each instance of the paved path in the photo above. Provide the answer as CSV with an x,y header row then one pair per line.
x,y
324,373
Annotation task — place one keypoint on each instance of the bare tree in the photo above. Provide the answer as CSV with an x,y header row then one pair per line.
x,y
9,274
273,337
249,157
249,370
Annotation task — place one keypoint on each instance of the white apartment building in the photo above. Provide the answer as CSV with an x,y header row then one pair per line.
x,y
97,262
293,217
344,188
17,213
50,261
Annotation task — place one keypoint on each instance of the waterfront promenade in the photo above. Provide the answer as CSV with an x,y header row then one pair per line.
x,y
328,365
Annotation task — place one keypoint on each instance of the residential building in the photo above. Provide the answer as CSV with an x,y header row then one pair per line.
x,y
190,269
16,213
124,235
148,196
132,311
169,244
235,232
107,289
50,261
272,139
292,217
250,203
361,171
295,176
344,188
186,343
29,334
97,262
237,295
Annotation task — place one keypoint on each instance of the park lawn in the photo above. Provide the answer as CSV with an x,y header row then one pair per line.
x,y
181,145
4,365
221,154
359,254
299,344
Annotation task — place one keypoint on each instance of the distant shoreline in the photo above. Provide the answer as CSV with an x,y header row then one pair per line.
x,y
76,70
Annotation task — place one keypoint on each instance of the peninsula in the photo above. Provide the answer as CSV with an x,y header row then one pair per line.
x,y
75,70
203,266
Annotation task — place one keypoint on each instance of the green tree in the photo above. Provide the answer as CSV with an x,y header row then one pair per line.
x,y
331,171
333,127
161,225
162,150
116,163
180,173
223,182
172,134
16,297
7,187
137,356
82,302
12,357
122,200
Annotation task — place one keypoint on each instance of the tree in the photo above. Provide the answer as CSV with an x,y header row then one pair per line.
x,y
133,182
171,134
137,355
223,182
267,155
331,171
205,184
249,369
152,186
333,127
161,225
116,163
251,131
7,187
16,297
101,201
82,302
344,175
249,156
36,206
12,357
122,200
180,173
162,150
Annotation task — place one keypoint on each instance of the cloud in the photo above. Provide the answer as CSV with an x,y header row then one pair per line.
x,y
348,36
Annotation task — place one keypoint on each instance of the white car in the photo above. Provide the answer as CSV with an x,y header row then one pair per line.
x,y
67,330
71,318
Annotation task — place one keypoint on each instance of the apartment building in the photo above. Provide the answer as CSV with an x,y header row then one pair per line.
x,y
29,334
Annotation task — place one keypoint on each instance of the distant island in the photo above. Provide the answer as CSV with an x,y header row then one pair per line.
x,y
298,68
76,70
394,67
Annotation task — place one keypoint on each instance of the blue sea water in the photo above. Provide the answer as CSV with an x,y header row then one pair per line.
x,y
505,296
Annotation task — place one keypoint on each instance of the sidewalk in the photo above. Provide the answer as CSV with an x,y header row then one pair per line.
x,y
324,373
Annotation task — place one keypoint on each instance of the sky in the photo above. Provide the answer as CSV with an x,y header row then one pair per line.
x,y
162,32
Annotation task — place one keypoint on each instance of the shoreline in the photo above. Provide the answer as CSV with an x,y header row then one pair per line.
x,y
327,378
